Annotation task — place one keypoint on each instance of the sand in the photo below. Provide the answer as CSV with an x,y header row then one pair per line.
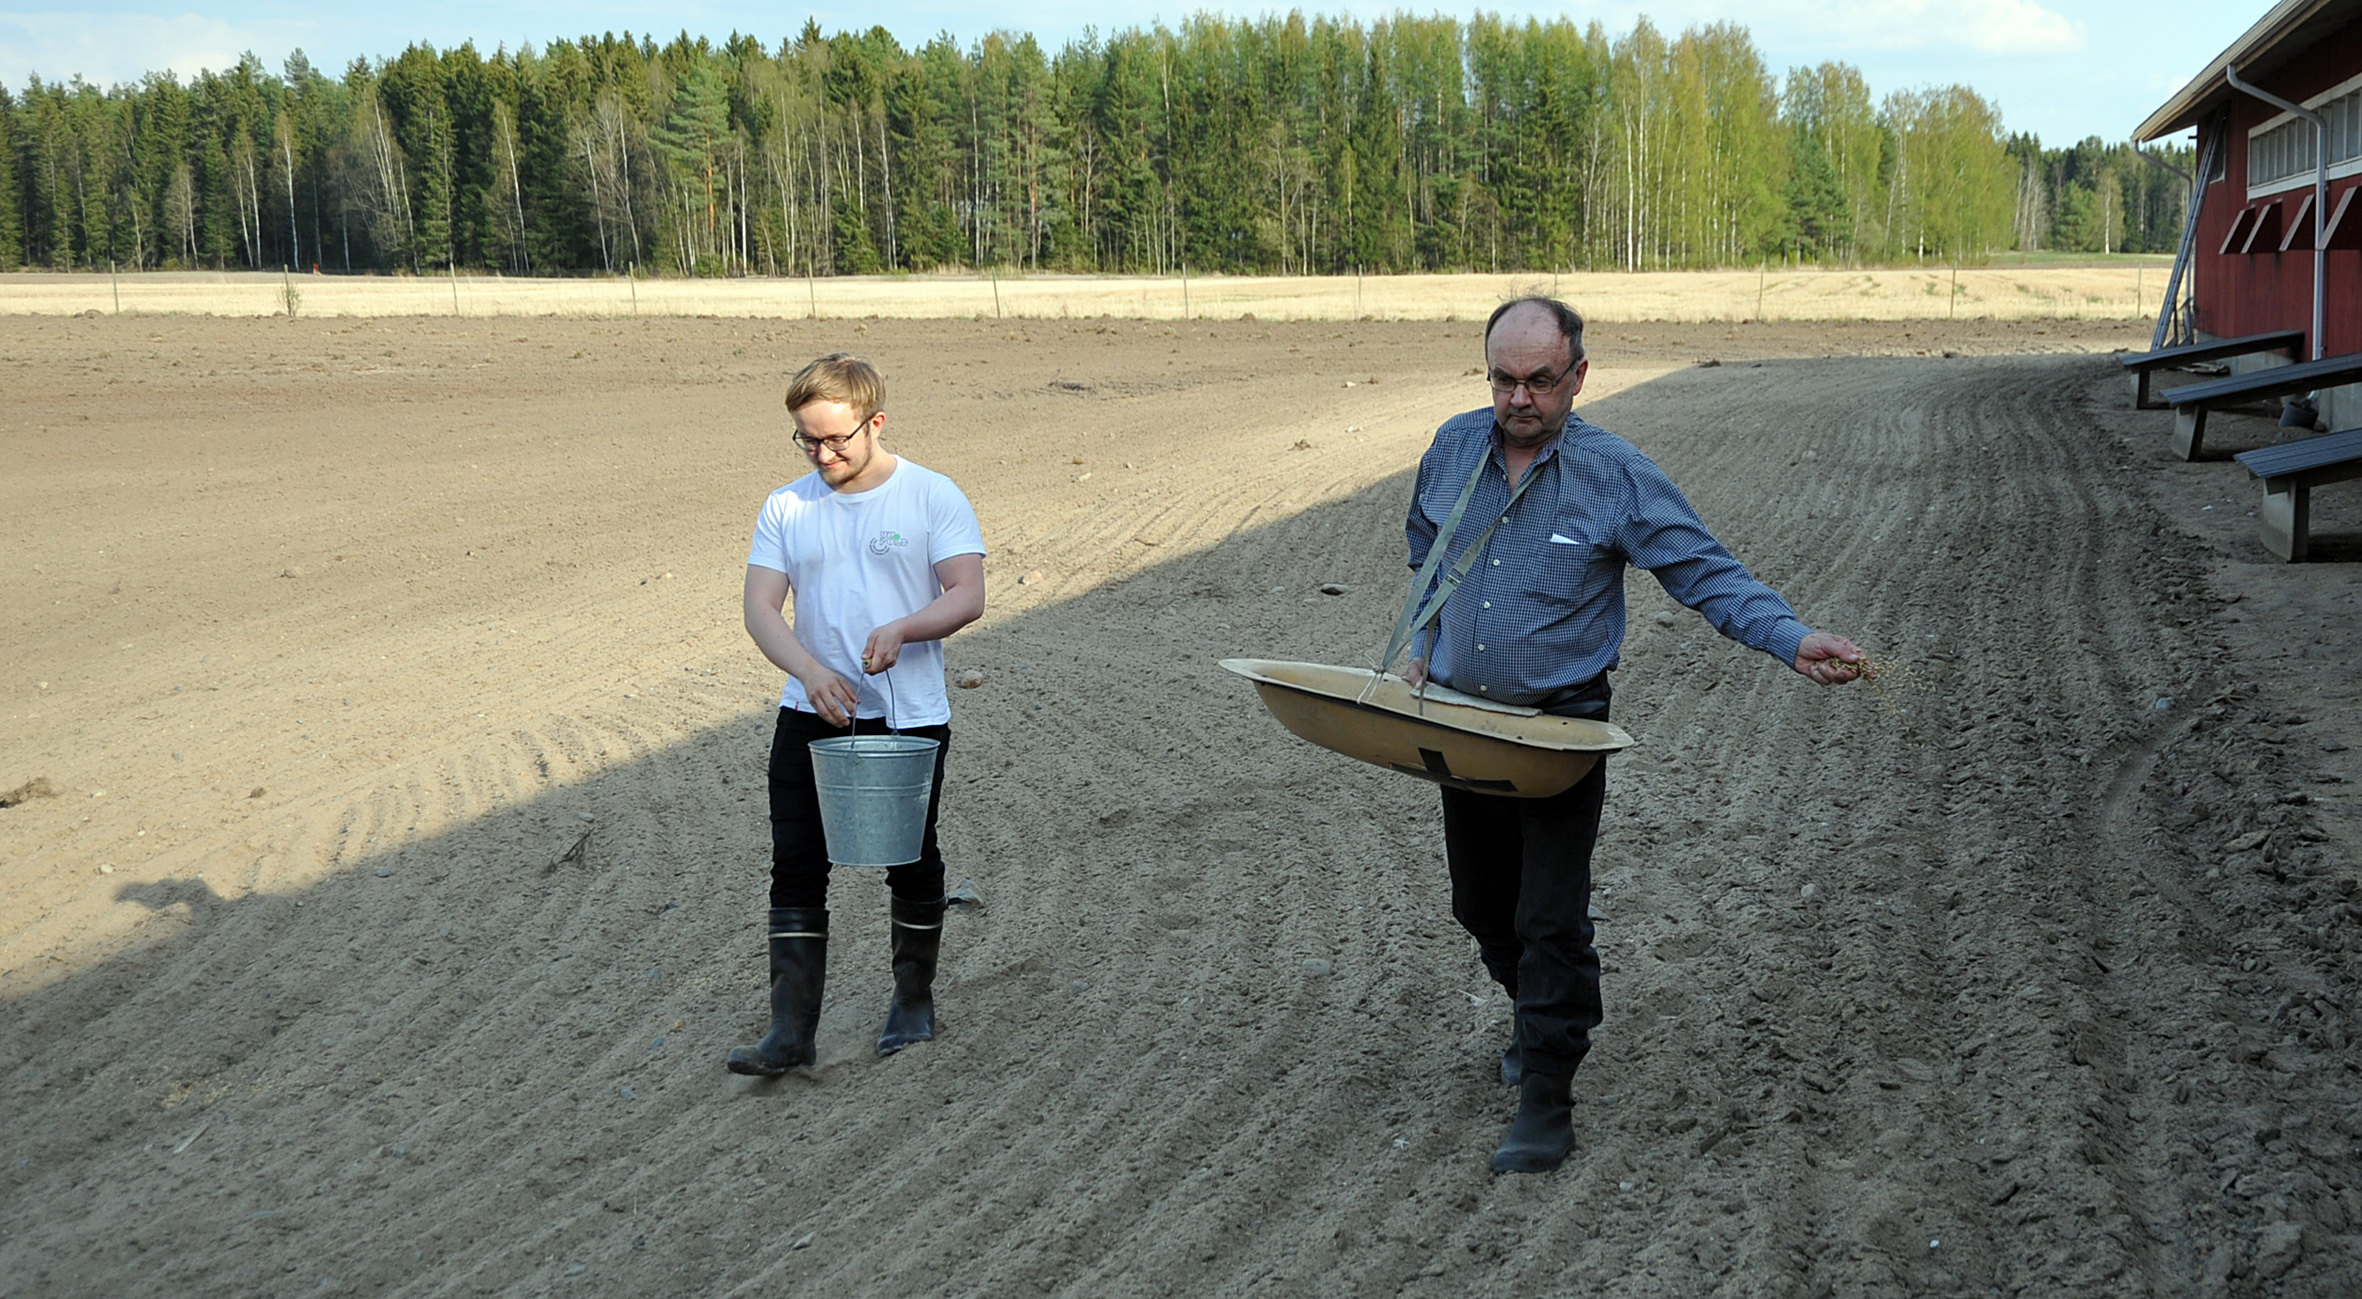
x,y
330,639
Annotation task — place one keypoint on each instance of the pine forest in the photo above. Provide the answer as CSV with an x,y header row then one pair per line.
x,y
1286,145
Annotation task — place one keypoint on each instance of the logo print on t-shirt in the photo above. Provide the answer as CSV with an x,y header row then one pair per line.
x,y
887,540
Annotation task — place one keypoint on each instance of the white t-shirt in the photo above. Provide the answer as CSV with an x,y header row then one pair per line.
x,y
859,560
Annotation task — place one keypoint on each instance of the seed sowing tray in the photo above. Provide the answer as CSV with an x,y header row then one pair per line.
x,y
1446,737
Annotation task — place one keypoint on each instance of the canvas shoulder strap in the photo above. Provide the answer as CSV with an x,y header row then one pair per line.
x,y
1423,607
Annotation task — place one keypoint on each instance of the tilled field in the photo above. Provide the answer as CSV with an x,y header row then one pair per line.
x,y
328,640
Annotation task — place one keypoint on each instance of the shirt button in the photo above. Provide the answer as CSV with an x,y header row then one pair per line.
x,y
1480,649
1488,604
1496,563
1484,690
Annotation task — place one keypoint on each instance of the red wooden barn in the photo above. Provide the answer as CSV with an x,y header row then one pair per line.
x,y
2250,260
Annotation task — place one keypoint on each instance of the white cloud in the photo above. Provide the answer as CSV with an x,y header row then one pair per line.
x,y
105,48
2012,27
2008,27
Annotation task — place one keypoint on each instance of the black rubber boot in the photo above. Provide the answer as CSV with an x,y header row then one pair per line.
x,y
1544,1129
917,940
799,968
1512,1064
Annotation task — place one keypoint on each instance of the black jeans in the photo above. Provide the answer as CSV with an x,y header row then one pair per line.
x,y
799,851
1521,886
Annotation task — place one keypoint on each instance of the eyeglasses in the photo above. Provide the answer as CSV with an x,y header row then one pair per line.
x,y
1537,385
811,444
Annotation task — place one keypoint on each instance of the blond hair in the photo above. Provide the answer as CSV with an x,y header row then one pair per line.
x,y
839,376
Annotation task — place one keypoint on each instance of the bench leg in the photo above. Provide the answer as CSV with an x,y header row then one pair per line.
x,y
2189,430
2141,400
2284,520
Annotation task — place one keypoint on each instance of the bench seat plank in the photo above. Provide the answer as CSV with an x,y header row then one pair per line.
x,y
2191,402
2142,365
2290,471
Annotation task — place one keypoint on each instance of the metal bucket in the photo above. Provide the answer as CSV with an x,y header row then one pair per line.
x,y
874,795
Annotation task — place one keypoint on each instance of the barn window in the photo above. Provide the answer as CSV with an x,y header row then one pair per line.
x,y
2284,149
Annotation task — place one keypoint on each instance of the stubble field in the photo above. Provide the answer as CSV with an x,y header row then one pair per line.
x,y
2114,288
326,639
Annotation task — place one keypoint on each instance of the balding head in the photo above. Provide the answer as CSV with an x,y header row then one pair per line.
x,y
1560,317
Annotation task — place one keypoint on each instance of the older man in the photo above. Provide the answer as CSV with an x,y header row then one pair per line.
x,y
1538,621
884,558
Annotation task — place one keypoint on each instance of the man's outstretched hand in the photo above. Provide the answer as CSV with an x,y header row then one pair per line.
x,y
1828,658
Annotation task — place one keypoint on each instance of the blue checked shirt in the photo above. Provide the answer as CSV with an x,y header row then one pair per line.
x,y
1542,609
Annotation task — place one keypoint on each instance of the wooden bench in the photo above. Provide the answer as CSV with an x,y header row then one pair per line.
x,y
2290,472
2192,401
2145,364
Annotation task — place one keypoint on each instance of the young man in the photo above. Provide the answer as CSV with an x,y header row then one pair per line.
x,y
884,559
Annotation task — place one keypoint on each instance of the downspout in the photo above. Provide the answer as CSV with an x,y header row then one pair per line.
x,y
2320,186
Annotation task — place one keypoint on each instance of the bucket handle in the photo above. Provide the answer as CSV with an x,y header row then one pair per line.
x,y
853,718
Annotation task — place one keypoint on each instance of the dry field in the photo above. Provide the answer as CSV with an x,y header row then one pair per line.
x,y
325,640
2127,289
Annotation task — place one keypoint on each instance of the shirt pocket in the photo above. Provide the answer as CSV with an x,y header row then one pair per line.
x,y
1565,565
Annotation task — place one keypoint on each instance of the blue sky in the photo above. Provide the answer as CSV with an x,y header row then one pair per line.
x,y
2064,69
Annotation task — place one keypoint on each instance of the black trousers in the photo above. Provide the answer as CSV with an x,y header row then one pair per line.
x,y
799,851
1521,886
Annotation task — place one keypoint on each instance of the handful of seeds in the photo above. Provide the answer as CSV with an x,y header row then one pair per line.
x,y
1889,679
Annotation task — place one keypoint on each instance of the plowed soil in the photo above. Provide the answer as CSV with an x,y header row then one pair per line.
x,y
382,876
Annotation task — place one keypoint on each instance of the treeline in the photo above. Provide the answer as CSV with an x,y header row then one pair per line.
x,y
1282,145
2099,198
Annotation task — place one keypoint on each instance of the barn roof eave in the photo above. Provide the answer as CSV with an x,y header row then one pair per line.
x,y
2288,30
